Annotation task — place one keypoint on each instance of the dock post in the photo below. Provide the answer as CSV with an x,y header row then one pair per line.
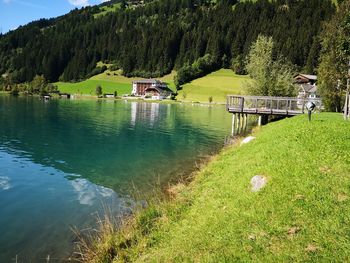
x,y
263,119
347,106
233,123
239,123
243,121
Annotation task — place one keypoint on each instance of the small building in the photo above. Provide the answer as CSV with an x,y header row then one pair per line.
x,y
307,91
64,95
151,88
109,96
305,79
156,93
307,86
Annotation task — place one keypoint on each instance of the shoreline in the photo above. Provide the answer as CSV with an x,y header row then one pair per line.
x,y
89,97
218,216
163,196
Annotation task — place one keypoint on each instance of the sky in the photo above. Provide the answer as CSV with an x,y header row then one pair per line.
x,y
14,13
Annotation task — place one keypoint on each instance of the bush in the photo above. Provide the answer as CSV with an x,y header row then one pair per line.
x,y
96,71
98,90
237,65
14,91
114,67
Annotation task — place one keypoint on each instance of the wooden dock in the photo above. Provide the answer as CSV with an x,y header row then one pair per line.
x,y
265,106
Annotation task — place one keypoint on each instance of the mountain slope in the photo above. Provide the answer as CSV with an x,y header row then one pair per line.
x,y
154,38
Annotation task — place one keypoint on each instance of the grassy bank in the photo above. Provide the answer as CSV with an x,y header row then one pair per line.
x,y
301,215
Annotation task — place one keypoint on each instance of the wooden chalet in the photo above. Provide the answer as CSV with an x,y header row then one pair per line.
x,y
151,88
307,86
305,79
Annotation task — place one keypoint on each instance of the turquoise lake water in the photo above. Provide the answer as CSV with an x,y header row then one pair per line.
x,y
62,161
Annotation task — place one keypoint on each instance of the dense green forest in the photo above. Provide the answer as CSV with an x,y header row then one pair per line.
x,y
154,38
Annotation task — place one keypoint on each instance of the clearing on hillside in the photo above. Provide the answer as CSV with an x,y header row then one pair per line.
x,y
217,85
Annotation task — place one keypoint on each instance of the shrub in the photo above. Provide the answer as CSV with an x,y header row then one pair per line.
x,y
98,90
96,71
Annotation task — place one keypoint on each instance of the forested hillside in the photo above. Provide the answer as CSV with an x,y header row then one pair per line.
x,y
154,38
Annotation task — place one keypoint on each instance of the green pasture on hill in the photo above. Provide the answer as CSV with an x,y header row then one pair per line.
x,y
110,81
88,87
217,85
107,9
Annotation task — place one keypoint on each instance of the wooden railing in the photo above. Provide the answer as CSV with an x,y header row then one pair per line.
x,y
269,105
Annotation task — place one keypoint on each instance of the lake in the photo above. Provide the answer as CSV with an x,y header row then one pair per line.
x,y
62,161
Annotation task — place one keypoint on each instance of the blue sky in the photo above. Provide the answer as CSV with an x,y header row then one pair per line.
x,y
14,13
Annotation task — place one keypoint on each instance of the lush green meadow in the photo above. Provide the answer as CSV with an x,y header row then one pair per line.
x,y
217,85
107,9
110,81
301,215
88,87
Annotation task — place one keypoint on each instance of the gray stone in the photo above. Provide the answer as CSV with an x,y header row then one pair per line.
x,y
258,182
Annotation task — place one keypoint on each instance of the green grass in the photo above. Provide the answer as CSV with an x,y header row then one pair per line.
x,y
110,81
107,9
88,87
217,84
301,215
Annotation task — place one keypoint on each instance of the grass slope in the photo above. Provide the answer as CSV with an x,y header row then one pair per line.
x,y
107,9
217,84
88,87
110,81
301,215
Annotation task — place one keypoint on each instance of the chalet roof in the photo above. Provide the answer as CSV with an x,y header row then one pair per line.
x,y
307,76
160,89
309,88
147,81
311,77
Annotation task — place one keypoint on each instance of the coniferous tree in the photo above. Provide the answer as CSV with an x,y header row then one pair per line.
x,y
162,35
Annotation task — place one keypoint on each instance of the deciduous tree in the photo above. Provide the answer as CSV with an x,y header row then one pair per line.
x,y
272,77
335,55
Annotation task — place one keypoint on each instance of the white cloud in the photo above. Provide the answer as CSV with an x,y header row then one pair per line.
x,y
89,194
77,2
4,183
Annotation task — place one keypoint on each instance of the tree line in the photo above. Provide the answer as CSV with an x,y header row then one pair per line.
x,y
191,36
